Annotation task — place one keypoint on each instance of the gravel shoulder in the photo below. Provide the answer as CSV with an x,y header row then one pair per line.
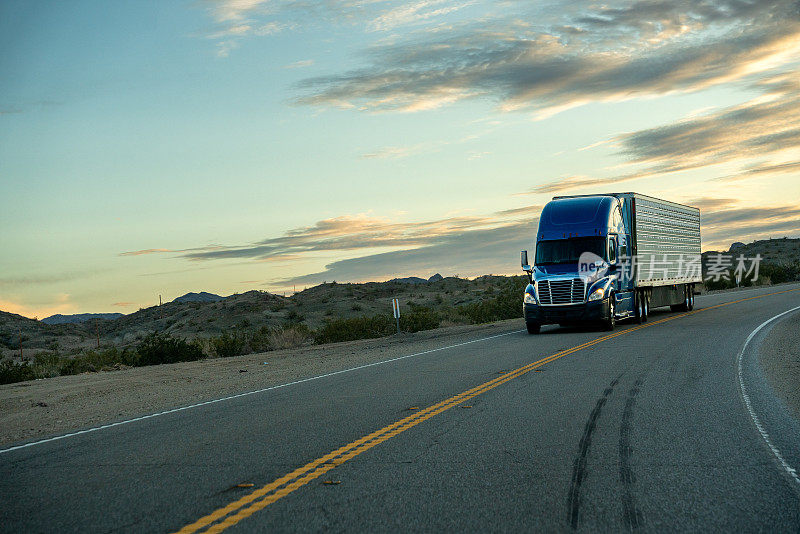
x,y
779,357
41,408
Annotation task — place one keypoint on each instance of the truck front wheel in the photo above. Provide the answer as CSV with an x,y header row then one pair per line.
x,y
611,321
640,310
533,328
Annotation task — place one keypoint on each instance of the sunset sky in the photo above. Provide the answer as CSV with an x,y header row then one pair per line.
x,y
159,147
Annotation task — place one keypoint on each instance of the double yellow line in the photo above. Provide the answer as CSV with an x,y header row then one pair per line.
x,y
262,497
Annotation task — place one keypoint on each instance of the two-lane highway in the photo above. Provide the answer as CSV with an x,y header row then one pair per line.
x,y
645,427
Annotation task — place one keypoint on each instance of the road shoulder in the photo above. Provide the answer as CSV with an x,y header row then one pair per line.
x,y
41,408
779,357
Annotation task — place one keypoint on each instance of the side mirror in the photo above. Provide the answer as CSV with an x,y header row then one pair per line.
x,y
523,256
612,250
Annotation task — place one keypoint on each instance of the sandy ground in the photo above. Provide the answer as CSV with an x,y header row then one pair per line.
x,y
780,358
41,408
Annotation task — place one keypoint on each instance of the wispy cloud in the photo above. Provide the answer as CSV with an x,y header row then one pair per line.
x,y
44,278
762,168
299,64
414,12
466,253
237,19
649,48
767,126
146,251
348,233
397,152
720,227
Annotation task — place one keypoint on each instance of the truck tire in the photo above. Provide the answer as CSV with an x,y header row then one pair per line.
x,y
691,298
611,321
645,307
683,306
533,328
639,311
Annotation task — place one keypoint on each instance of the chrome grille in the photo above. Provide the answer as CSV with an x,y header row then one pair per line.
x,y
572,291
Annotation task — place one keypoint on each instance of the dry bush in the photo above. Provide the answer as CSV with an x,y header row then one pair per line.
x,y
288,337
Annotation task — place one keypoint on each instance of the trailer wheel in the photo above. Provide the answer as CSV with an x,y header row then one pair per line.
x,y
533,328
683,306
687,300
691,298
611,322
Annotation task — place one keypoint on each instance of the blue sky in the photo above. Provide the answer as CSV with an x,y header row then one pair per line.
x,y
154,148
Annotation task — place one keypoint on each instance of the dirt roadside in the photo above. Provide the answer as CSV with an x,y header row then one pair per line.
x,y
41,408
779,357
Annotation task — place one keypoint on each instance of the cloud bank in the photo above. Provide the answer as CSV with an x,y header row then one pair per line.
x,y
646,48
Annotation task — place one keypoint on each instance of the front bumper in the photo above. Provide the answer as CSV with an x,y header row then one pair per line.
x,y
568,313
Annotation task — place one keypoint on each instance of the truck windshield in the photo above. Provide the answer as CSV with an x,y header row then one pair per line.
x,y
568,250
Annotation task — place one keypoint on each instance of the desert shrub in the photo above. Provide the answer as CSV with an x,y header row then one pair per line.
x,y
354,328
779,273
293,317
419,319
228,345
157,348
287,337
11,371
6,340
46,365
712,285
95,360
506,305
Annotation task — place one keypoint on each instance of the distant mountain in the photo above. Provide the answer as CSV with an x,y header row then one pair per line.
x,y
199,297
417,280
409,280
79,317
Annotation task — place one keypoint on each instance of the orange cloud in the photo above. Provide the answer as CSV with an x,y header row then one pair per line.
x,y
62,304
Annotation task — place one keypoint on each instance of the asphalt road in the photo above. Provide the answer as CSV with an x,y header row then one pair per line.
x,y
644,429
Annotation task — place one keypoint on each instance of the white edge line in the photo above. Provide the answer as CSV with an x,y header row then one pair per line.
x,y
238,395
789,469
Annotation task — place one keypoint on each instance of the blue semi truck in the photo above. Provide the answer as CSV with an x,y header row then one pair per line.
x,y
607,257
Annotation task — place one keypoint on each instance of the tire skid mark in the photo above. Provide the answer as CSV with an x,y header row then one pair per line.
x,y
579,465
631,516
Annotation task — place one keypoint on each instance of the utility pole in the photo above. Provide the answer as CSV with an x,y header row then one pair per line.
x,y
97,330
20,343
159,306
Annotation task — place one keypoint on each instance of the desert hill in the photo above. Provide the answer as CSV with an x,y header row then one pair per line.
x,y
79,317
209,317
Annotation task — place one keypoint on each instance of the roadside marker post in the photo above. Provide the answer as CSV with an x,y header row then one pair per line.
x,y
396,312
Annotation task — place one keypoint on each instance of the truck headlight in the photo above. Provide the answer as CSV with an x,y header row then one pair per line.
x,y
529,298
597,294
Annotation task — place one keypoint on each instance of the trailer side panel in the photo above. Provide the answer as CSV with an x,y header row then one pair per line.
x,y
667,238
